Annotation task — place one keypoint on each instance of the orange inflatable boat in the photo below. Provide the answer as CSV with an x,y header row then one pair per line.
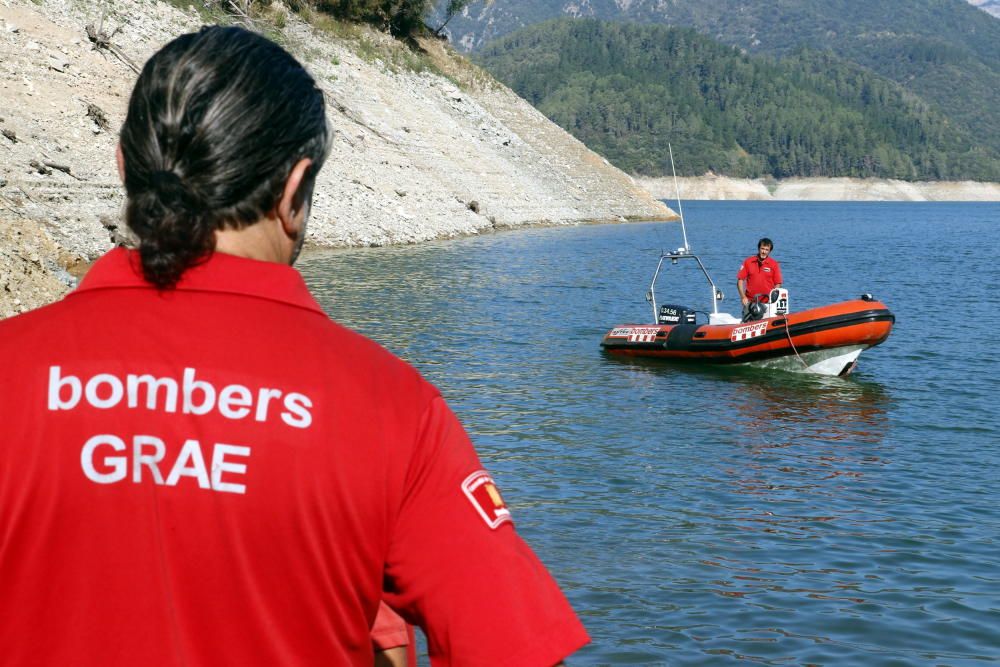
x,y
826,340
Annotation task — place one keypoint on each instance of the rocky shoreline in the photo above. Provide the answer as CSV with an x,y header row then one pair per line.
x,y
425,147
712,187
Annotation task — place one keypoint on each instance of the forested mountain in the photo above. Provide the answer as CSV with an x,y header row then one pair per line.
x,y
626,90
947,52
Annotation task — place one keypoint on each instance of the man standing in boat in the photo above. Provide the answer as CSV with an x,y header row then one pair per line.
x,y
758,275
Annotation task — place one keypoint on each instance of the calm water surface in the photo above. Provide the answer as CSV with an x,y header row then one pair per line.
x,y
709,516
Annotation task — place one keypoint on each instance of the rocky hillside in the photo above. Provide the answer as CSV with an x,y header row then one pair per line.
x,y
425,147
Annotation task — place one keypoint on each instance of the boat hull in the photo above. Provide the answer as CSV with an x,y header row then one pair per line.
x,y
824,340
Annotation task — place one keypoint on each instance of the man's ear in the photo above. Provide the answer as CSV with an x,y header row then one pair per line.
x,y
291,202
120,159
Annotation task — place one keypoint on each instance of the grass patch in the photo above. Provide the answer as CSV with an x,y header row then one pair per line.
x,y
207,14
268,20
371,45
460,70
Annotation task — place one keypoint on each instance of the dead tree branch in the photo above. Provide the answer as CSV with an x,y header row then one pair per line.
x,y
102,42
63,168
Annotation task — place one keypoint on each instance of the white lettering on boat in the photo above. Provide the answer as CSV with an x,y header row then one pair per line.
x,y
748,331
635,334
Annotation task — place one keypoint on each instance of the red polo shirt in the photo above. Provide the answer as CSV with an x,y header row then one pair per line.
x,y
220,475
760,277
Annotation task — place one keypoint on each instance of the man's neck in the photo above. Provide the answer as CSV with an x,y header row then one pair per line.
x,y
263,240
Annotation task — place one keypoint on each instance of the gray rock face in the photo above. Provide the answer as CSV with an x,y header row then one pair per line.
x,y
413,149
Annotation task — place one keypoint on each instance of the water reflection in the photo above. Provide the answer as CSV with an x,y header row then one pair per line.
x,y
777,524
777,408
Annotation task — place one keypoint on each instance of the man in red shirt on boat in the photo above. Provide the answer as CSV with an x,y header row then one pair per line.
x,y
198,467
758,275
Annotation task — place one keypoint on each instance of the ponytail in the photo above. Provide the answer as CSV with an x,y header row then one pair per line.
x,y
215,123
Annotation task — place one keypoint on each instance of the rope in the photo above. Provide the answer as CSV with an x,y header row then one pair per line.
x,y
789,335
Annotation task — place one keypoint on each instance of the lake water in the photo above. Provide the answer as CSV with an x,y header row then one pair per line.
x,y
711,516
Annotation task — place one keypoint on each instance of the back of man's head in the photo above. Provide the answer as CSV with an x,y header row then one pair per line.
x,y
216,121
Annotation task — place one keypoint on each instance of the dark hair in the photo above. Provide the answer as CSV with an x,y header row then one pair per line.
x,y
765,241
216,121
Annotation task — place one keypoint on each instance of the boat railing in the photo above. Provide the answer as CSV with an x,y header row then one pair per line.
x,y
676,256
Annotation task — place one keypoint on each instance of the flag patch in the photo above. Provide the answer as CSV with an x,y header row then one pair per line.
x,y
485,497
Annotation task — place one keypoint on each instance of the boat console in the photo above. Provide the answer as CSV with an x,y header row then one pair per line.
x,y
777,303
775,306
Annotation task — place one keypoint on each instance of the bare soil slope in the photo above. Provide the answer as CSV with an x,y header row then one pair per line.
x,y
417,155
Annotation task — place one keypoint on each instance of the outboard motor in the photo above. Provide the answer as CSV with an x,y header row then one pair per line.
x,y
672,314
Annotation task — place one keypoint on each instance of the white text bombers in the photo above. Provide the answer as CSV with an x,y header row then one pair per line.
x,y
107,459
189,396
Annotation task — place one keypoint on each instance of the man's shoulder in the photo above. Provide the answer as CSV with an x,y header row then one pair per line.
x,y
348,341
13,328
339,345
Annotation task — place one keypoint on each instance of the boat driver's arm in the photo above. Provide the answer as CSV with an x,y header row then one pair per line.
x,y
740,287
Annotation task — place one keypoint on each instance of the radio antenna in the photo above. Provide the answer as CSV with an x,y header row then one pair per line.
x,y
677,189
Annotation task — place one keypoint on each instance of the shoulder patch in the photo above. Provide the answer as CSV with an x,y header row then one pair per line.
x,y
481,491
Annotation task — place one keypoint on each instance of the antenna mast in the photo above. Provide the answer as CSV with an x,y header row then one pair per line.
x,y
677,189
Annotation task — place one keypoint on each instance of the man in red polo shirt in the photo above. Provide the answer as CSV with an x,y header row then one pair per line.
x,y
758,275
197,466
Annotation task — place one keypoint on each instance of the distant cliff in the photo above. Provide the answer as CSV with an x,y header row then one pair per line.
x,y
821,189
